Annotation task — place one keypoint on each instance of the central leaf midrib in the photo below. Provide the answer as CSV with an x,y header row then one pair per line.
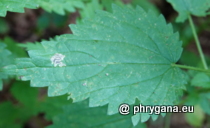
x,y
111,63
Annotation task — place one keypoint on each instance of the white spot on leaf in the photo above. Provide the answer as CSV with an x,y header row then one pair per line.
x,y
57,60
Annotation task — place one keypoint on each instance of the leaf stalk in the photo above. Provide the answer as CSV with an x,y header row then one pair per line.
x,y
197,43
190,68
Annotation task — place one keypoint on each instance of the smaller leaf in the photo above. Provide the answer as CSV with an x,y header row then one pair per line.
x,y
31,46
195,119
201,99
90,9
61,6
204,102
92,6
13,47
107,4
201,80
146,5
190,7
17,5
5,59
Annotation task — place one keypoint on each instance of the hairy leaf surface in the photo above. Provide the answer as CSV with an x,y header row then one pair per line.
x,y
190,7
111,59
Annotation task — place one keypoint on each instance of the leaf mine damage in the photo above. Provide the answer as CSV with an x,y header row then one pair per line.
x,y
57,60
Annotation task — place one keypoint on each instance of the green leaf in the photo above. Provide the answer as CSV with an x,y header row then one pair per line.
x,y
24,93
5,59
79,115
48,5
94,5
197,118
26,101
1,84
4,26
201,80
48,20
90,9
8,115
31,46
146,5
13,47
14,116
30,100
185,32
201,99
190,7
61,5
111,59
186,58
16,6
52,106
204,102
107,4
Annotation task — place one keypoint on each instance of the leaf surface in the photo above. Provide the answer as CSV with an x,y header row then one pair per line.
x,y
190,7
111,59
